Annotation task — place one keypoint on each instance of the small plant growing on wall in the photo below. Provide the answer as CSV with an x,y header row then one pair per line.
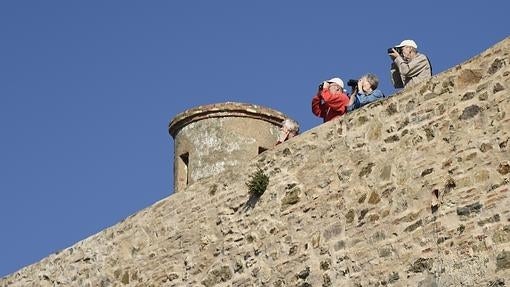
x,y
257,183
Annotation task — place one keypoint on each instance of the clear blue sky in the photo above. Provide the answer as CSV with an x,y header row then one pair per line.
x,y
87,89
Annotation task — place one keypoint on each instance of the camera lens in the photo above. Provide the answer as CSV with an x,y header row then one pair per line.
x,y
352,83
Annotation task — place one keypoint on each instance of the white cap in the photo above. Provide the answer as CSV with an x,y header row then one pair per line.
x,y
410,43
336,81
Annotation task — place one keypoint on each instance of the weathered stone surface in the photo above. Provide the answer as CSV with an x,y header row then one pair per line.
x,y
497,88
413,226
469,77
291,197
374,198
496,66
357,204
470,112
503,260
468,209
504,168
502,236
217,275
421,264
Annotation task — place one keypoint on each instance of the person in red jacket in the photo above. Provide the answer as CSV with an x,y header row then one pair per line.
x,y
330,101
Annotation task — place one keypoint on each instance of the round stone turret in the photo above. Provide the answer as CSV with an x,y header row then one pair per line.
x,y
211,138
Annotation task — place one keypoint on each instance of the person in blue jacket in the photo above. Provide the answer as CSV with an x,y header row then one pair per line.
x,y
365,92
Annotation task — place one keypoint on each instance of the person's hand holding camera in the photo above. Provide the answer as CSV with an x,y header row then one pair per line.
x,y
360,85
323,85
393,54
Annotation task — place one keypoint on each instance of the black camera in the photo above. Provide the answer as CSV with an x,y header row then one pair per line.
x,y
398,49
352,83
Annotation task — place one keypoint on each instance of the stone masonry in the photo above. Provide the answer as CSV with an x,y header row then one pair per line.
x,y
410,191
212,138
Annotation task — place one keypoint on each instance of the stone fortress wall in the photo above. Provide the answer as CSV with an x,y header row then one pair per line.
x,y
410,191
212,138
